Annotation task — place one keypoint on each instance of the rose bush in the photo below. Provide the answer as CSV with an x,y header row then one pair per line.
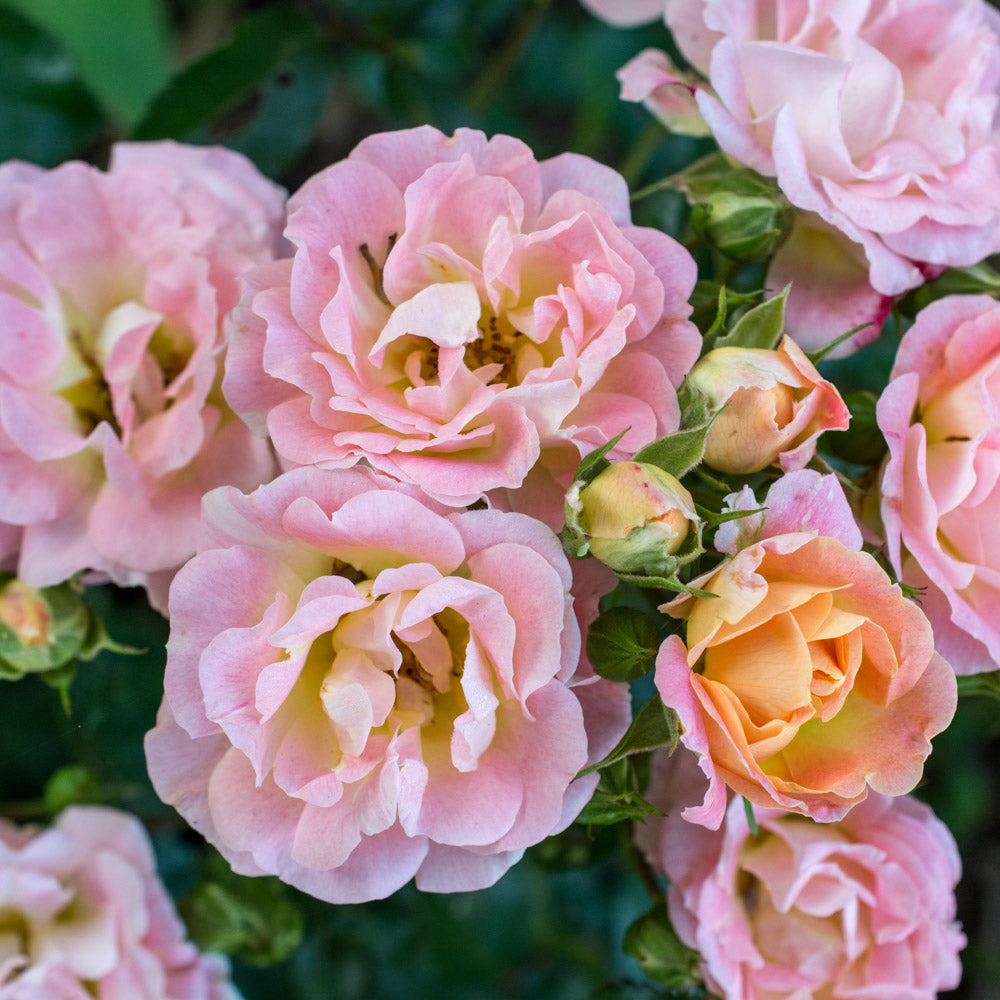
x,y
809,678
115,295
876,119
776,406
940,490
364,686
83,915
464,318
860,908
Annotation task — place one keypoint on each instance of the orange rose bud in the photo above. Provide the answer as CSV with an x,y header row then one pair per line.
x,y
636,515
774,404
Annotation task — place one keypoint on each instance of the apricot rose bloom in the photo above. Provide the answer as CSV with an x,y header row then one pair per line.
x,y
809,678
465,319
860,908
364,686
115,294
85,915
940,490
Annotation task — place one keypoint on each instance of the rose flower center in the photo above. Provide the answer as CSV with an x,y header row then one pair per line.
x,y
82,379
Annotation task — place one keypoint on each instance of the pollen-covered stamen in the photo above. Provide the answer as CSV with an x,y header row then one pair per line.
x,y
347,571
497,345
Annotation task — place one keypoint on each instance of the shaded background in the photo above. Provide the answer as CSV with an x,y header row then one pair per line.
x,y
294,86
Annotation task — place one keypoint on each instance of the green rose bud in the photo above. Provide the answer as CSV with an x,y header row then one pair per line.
x,y
743,217
636,515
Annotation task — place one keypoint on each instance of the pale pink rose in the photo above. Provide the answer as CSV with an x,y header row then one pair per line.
x,y
808,679
84,915
830,292
625,13
364,686
666,91
940,490
877,117
863,908
115,294
464,318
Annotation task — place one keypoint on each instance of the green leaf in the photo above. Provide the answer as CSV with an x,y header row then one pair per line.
x,y
72,783
120,47
616,798
663,956
215,84
987,685
713,519
759,327
276,122
594,462
607,807
252,919
663,583
979,279
676,453
828,348
654,726
574,538
46,112
622,644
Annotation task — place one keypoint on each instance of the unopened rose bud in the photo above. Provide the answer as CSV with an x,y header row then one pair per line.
x,y
25,612
636,515
775,407
743,217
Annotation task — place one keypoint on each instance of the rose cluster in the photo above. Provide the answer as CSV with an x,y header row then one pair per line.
x,y
336,439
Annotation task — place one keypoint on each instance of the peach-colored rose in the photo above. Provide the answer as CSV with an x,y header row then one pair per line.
x,y
809,678
776,406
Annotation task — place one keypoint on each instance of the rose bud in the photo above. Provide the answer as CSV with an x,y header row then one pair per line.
x,y
743,217
775,407
636,514
25,612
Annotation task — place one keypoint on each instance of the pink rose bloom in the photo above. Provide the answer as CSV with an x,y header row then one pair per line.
x,y
464,318
85,915
364,686
940,415
115,295
855,910
808,679
876,118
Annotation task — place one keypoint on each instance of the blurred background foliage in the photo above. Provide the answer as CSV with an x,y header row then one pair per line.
x,y
294,85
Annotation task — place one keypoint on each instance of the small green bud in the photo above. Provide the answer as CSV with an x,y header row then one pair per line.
x,y
743,217
40,630
662,954
636,514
